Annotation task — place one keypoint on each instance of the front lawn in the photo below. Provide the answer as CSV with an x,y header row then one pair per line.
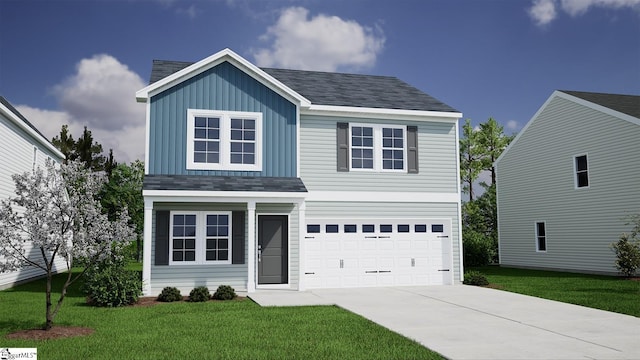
x,y
211,330
600,292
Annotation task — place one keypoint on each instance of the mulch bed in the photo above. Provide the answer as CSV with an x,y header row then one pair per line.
x,y
152,300
55,332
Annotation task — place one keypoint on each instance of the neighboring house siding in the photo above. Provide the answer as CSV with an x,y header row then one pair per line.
x,y
186,277
226,88
379,210
436,151
536,183
16,157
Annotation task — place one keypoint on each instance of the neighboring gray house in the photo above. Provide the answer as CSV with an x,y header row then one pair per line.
x,y
284,179
568,180
22,149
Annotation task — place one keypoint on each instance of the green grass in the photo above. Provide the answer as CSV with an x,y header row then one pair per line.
x,y
211,330
600,292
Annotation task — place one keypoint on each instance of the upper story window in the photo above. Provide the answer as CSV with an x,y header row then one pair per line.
x,y
378,147
224,140
582,171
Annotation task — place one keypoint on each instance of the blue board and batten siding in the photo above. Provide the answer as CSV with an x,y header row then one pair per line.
x,y
226,88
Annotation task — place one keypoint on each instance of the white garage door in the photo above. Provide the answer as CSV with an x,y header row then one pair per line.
x,y
368,253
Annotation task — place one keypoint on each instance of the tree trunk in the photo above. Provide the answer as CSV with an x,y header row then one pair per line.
x,y
49,319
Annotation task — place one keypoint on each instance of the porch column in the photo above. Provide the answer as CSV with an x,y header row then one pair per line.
x,y
146,247
251,246
302,230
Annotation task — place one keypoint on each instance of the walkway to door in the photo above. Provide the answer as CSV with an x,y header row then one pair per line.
x,y
468,322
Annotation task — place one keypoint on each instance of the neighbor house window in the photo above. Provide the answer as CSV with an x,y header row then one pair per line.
x,y
582,171
541,236
378,147
200,238
224,140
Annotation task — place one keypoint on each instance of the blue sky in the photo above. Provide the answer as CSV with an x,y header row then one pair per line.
x,y
80,62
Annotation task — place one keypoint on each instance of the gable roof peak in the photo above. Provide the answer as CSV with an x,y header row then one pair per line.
x,y
328,88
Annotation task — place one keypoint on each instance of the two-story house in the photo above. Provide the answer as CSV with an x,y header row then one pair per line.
x,y
22,149
568,182
271,178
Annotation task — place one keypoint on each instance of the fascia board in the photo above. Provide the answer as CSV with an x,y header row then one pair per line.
x,y
381,113
383,196
34,134
203,65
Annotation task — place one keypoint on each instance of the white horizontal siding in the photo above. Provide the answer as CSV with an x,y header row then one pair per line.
x,y
356,210
536,183
436,149
16,157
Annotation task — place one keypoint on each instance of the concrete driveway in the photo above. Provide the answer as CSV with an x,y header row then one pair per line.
x,y
468,322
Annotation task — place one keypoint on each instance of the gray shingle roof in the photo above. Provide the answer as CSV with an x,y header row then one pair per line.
x,y
6,103
337,89
223,183
626,104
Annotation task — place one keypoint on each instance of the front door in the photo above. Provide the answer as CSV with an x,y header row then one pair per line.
x,y
273,240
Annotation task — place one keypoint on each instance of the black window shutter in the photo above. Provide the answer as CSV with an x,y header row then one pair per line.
x,y
237,237
343,146
412,149
162,238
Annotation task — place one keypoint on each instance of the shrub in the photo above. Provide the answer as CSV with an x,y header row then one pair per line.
x,y
170,294
477,248
627,255
199,294
224,292
109,284
475,278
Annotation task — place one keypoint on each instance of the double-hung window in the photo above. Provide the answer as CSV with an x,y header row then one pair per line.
x,y
581,167
224,140
378,147
198,237
541,237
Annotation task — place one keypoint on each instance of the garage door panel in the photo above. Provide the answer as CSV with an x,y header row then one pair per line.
x,y
409,255
404,244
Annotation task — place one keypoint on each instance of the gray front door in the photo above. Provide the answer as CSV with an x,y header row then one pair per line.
x,y
273,238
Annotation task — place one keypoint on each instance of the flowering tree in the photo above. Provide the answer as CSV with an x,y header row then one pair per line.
x,y
56,214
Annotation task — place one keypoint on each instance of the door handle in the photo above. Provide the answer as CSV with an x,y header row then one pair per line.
x,y
259,252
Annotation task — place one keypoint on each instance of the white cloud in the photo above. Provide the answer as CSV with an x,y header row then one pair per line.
x,y
579,7
191,12
101,96
512,125
544,11
321,43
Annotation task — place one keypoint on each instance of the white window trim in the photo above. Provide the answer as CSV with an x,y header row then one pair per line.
x,y
546,236
225,140
575,172
201,236
377,148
